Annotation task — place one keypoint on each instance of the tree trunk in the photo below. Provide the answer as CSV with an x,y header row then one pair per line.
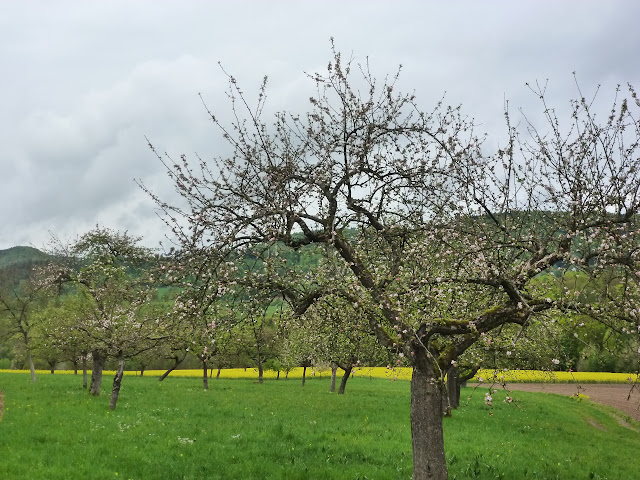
x,y
75,366
218,374
453,387
260,373
334,371
177,361
32,367
96,373
52,367
426,421
304,375
142,371
345,377
117,381
205,378
84,371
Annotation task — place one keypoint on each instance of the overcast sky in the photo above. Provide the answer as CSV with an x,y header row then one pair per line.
x,y
83,82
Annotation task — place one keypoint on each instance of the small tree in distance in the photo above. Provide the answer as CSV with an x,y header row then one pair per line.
x,y
114,279
448,241
20,300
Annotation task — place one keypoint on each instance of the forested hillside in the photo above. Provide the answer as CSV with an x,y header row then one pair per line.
x,y
21,256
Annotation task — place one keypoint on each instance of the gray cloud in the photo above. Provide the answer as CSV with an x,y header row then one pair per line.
x,y
86,81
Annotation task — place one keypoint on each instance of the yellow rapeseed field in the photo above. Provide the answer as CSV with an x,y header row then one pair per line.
x,y
400,373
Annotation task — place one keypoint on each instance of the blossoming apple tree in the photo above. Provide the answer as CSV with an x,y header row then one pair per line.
x,y
449,237
114,278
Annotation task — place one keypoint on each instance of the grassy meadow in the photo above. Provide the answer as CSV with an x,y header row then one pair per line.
x,y
242,430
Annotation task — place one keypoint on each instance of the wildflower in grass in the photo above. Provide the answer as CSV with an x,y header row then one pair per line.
x,y
185,441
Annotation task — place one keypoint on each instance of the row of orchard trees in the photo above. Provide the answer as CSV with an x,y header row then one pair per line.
x,y
92,298
458,247
49,317
106,298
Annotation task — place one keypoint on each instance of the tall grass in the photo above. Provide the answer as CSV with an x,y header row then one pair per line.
x,y
242,430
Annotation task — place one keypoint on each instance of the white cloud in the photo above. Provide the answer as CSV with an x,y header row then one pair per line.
x,y
87,81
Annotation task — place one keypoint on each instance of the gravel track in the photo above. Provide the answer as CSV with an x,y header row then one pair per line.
x,y
619,396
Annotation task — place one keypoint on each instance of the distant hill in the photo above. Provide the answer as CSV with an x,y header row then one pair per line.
x,y
21,255
17,263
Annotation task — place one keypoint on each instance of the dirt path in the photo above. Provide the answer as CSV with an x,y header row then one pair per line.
x,y
615,395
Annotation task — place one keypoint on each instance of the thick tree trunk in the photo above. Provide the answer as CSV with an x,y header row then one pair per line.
x,y
96,373
117,382
259,362
52,367
304,375
345,377
453,389
205,378
84,371
334,371
176,361
426,422
32,367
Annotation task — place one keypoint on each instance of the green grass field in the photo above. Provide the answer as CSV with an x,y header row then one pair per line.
x,y
279,430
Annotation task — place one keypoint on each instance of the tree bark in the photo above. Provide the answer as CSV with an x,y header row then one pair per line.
x,y
75,366
334,371
96,373
32,367
84,371
453,387
205,378
345,377
304,375
117,382
426,421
